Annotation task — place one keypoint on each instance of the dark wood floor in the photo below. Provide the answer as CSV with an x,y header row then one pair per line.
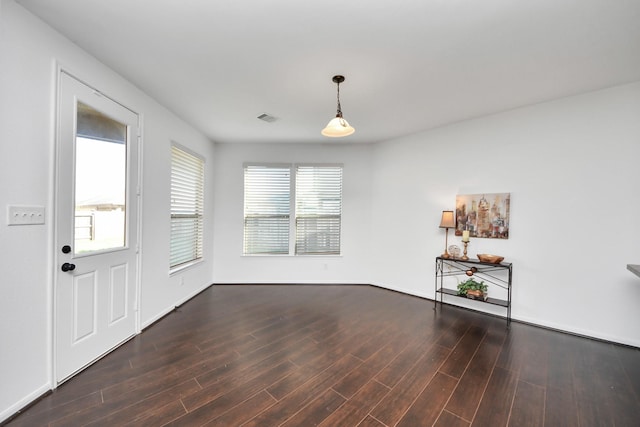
x,y
345,356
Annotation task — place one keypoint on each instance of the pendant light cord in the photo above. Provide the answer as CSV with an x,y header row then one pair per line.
x,y
339,114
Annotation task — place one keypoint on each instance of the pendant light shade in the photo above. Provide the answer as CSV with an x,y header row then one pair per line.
x,y
338,126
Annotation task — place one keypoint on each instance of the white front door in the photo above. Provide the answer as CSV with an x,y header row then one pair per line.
x,y
96,226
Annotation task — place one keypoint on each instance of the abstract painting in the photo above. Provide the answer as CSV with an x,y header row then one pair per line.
x,y
484,215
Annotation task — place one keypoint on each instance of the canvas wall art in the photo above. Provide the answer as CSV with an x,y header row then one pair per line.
x,y
484,215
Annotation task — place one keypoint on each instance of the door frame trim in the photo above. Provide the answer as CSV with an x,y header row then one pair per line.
x,y
59,70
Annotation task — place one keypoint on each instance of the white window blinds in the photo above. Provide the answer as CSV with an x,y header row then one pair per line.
x,y
267,195
318,210
187,207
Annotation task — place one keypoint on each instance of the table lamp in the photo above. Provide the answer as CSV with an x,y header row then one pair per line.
x,y
447,222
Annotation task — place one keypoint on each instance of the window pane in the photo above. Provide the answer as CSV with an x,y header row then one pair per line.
x,y
187,207
266,209
100,182
318,210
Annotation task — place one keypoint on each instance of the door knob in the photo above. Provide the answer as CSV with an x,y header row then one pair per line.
x,y
68,267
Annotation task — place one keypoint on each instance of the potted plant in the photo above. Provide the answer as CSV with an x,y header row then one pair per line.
x,y
473,289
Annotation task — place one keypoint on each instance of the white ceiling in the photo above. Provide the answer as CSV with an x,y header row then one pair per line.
x,y
410,65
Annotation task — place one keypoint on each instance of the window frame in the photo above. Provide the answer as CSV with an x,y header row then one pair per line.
x,y
297,216
293,197
198,204
244,208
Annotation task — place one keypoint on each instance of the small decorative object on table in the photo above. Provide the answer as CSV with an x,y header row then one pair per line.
x,y
465,241
454,251
473,289
492,259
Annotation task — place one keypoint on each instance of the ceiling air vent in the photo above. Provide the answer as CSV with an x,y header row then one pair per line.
x,y
267,118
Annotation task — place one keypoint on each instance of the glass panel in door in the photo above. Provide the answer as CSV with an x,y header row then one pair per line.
x,y
100,182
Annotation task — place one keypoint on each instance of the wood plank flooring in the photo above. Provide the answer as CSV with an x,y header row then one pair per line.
x,y
307,355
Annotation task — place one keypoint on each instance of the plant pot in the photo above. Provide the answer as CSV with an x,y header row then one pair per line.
x,y
473,294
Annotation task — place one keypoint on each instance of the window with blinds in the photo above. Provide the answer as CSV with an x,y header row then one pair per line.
x,y
268,192
267,203
318,210
187,207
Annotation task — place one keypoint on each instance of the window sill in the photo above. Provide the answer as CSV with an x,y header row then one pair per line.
x,y
185,266
291,256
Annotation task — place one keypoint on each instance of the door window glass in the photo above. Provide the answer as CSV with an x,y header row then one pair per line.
x,y
100,182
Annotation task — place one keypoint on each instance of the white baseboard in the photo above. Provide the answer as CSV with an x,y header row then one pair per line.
x,y
577,331
22,403
169,309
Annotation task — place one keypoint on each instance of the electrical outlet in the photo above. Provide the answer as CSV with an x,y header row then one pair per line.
x,y
25,215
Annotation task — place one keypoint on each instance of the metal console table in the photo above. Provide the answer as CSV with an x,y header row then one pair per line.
x,y
495,274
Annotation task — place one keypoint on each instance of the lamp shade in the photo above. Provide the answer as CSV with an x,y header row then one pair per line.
x,y
338,127
447,220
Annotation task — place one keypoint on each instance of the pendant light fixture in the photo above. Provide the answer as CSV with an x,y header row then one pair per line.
x,y
338,126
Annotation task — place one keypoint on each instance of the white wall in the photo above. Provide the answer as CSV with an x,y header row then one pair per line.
x,y
571,167
29,54
353,266
161,292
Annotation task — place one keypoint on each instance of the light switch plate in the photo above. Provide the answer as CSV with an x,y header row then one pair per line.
x,y
25,215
